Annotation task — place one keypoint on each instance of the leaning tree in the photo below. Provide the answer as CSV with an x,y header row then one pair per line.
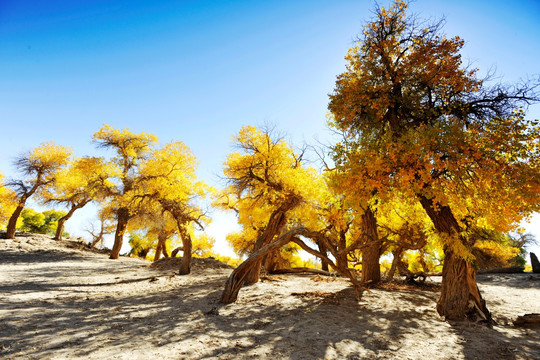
x,y
414,119
39,168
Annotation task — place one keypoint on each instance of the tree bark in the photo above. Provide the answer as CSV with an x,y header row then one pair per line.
x,y
63,219
371,270
123,218
185,263
275,224
301,270
160,248
397,258
12,223
324,263
460,297
237,278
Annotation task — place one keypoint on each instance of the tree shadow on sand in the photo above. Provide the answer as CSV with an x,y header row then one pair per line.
x,y
186,320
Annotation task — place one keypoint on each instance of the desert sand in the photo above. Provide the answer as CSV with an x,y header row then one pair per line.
x,y
59,300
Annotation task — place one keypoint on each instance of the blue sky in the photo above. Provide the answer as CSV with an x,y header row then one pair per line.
x,y
196,71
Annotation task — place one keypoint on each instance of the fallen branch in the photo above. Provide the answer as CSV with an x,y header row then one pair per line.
x,y
300,270
527,319
506,270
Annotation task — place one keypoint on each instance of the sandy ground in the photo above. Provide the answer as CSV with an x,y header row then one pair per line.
x,y
60,301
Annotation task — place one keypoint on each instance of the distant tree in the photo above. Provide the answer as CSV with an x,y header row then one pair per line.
x,y
171,185
39,167
130,149
268,181
45,222
106,227
84,180
8,202
153,180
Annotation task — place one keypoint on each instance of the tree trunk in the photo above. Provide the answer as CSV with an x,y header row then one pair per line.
x,y
322,249
460,297
238,277
160,245
273,261
12,223
185,263
123,218
275,224
371,270
63,219
397,258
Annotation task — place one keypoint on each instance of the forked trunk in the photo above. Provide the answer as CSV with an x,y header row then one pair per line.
x,y
123,218
371,270
238,277
460,297
185,263
275,224
397,258
160,248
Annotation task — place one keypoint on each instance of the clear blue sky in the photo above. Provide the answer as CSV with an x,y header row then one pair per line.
x,y
196,71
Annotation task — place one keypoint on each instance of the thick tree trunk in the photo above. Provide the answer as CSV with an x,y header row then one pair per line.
x,y
460,297
123,218
275,224
238,277
371,270
397,258
273,261
185,263
12,223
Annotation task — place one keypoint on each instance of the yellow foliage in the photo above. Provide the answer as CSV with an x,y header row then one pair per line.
x,y
8,202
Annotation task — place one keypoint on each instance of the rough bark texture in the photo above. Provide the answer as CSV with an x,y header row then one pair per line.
x,y
161,248
123,218
12,223
277,221
397,258
322,250
237,278
185,263
460,297
371,270
535,263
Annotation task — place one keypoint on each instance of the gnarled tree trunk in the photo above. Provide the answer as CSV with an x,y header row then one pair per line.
x,y
322,250
237,278
460,297
123,218
185,263
161,247
274,227
63,219
12,223
371,253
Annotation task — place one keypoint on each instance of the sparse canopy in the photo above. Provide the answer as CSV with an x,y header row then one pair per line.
x,y
84,180
39,168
